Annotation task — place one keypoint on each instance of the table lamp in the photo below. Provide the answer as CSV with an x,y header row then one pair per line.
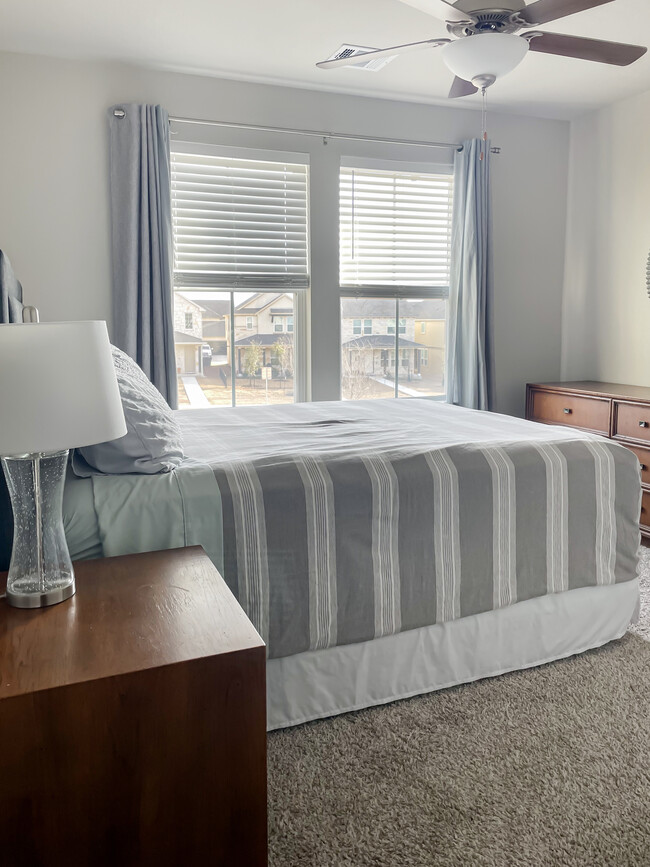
x,y
58,391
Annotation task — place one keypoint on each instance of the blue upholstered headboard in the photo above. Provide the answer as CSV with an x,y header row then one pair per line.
x,y
11,310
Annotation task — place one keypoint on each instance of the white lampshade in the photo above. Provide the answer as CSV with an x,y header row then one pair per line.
x,y
58,388
494,54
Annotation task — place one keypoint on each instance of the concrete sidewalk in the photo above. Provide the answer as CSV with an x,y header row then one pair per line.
x,y
194,392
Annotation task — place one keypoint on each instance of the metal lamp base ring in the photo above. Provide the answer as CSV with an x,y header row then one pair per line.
x,y
40,600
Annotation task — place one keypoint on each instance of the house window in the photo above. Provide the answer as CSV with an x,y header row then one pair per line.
x,y
240,224
290,324
367,326
189,321
395,253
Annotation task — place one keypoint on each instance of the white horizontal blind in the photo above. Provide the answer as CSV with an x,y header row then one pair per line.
x,y
395,228
238,223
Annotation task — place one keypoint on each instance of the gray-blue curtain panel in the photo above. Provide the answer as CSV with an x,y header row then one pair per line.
x,y
142,247
469,363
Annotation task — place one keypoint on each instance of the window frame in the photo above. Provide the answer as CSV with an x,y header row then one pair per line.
x,y
298,288
398,291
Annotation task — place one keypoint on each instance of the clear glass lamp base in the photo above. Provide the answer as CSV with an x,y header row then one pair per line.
x,y
40,572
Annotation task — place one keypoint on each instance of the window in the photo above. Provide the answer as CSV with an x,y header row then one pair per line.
x,y
368,361
290,324
240,223
189,321
240,359
395,246
367,326
390,328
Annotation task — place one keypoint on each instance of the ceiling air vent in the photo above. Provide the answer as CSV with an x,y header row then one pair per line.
x,y
351,51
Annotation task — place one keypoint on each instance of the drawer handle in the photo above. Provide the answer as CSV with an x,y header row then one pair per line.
x,y
567,411
643,424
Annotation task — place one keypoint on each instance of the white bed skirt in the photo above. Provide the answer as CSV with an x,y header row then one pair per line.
x,y
322,683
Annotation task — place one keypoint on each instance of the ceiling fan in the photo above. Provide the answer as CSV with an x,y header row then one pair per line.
x,y
487,41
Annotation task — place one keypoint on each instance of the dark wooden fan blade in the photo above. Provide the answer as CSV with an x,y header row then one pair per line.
x,y
460,87
442,9
544,11
616,53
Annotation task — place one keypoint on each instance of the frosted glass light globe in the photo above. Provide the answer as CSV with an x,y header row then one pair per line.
x,y
494,54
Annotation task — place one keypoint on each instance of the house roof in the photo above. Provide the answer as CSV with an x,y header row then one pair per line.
x,y
281,311
384,308
381,341
216,307
214,330
265,340
182,337
189,300
262,300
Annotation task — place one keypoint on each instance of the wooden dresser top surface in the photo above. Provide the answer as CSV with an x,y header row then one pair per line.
x,y
129,614
600,389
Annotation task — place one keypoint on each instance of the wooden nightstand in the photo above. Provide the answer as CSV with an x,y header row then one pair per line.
x,y
133,721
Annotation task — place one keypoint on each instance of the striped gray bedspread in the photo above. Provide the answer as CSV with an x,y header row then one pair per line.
x,y
344,522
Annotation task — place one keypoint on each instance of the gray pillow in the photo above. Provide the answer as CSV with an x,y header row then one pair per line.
x,y
152,443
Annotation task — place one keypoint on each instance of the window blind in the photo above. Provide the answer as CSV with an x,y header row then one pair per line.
x,y
238,223
395,228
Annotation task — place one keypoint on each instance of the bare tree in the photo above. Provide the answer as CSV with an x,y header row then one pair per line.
x,y
355,381
283,352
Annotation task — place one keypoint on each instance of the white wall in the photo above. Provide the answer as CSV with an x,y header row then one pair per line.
x,y
606,306
54,217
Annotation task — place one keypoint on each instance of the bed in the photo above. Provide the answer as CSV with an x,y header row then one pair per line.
x,y
392,547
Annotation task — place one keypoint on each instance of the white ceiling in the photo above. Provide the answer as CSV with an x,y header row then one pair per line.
x,y
279,41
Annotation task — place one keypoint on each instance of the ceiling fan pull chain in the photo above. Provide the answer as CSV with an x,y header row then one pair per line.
x,y
484,110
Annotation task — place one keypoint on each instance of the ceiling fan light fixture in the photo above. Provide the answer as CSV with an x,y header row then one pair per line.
x,y
485,54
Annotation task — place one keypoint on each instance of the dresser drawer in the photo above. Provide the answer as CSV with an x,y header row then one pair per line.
x,y
591,413
645,509
644,459
632,421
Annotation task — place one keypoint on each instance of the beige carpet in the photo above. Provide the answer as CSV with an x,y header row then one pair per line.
x,y
545,767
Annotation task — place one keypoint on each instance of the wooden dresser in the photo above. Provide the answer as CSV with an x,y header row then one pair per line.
x,y
620,412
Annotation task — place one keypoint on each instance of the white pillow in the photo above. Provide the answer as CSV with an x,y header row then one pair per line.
x,y
152,443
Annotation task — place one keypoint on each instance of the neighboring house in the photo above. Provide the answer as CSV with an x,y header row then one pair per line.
x,y
188,334
188,353
368,337
264,333
214,324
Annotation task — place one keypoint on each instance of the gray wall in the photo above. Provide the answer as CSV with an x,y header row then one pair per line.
x,y
54,219
606,307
